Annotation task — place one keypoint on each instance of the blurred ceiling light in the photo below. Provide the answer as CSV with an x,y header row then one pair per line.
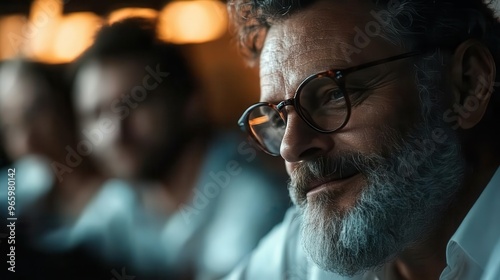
x,y
12,40
75,33
43,9
52,37
41,27
124,13
198,21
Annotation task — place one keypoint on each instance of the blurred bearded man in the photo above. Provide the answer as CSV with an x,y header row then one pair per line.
x,y
386,116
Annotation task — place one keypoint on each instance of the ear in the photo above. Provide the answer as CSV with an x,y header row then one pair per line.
x,y
473,77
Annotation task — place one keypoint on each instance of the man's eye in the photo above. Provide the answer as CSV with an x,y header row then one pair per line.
x,y
335,94
333,97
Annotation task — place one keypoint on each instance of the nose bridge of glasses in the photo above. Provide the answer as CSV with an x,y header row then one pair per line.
x,y
281,107
285,103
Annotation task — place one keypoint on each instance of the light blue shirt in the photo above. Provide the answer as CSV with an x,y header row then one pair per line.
x,y
471,247
33,179
492,271
226,217
470,254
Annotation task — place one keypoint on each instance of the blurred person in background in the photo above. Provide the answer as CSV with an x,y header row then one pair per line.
x,y
4,160
37,128
188,202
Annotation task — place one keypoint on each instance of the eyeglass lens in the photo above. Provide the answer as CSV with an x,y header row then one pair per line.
x,y
321,102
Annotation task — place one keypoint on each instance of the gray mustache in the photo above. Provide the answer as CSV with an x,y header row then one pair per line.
x,y
327,168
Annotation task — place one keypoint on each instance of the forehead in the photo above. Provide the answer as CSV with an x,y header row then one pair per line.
x,y
103,81
20,92
326,35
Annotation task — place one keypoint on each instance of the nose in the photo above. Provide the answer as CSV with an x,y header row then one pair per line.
x,y
118,131
301,142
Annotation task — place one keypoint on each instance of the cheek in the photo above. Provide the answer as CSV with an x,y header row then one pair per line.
x,y
151,128
44,134
16,145
145,125
378,114
101,139
27,140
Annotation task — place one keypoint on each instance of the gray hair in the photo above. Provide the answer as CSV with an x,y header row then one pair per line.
x,y
413,23
410,24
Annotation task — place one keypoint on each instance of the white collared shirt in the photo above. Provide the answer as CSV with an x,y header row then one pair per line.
x,y
280,254
470,248
492,271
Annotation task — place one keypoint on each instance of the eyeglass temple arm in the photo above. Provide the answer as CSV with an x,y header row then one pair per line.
x,y
380,61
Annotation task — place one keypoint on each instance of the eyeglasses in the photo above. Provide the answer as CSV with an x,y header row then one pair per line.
x,y
322,100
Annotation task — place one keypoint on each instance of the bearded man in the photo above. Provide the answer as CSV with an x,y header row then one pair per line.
x,y
386,117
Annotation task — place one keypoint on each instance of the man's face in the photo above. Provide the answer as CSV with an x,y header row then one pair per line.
x,y
28,117
372,188
125,112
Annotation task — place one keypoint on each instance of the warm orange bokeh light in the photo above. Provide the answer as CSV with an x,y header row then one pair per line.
x,y
48,35
42,8
197,21
41,28
12,39
51,37
258,120
124,13
75,33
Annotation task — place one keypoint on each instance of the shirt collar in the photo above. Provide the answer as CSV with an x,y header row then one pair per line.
x,y
480,229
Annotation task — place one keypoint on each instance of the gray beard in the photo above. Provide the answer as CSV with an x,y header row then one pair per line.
x,y
406,191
